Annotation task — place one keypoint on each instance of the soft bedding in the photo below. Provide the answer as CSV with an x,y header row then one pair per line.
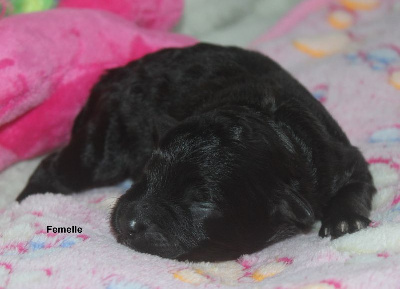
x,y
348,55
48,64
155,14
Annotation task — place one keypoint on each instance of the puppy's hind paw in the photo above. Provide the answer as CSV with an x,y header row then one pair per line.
x,y
337,226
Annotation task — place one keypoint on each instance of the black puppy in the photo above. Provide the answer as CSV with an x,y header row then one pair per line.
x,y
228,152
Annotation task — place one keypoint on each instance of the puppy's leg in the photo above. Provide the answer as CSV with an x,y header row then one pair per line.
x,y
348,210
104,150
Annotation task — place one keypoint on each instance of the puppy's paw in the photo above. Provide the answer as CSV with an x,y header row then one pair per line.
x,y
339,225
30,189
24,194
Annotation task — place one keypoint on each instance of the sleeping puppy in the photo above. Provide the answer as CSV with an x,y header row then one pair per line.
x,y
228,153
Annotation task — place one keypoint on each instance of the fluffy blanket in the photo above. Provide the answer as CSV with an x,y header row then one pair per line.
x,y
49,62
348,54
155,14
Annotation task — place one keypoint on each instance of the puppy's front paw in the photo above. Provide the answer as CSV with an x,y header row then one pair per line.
x,y
30,189
24,194
339,225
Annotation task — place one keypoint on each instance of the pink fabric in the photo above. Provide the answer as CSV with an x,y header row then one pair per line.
x,y
359,85
293,18
347,53
319,55
52,59
156,14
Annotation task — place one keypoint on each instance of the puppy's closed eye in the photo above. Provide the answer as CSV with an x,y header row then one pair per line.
x,y
202,210
201,205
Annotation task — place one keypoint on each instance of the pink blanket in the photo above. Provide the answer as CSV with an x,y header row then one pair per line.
x,y
347,53
48,63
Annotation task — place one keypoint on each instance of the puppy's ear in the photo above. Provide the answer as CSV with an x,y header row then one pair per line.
x,y
295,208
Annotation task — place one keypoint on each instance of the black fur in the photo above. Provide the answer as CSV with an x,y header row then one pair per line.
x,y
228,152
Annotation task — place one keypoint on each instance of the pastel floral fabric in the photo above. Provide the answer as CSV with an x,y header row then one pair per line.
x,y
348,55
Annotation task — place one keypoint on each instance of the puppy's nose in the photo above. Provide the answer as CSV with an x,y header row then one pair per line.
x,y
135,227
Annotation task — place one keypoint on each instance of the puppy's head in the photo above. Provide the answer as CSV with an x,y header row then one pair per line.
x,y
207,194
